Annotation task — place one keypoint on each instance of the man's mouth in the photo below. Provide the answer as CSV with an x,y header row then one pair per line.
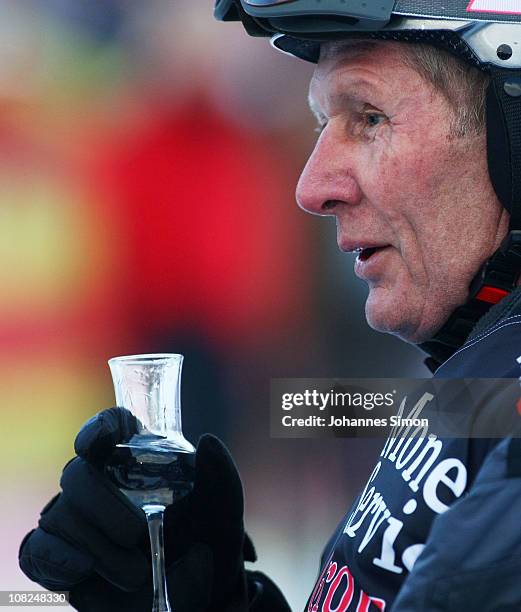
x,y
363,254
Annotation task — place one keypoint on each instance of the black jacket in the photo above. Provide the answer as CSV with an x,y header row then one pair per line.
x,y
438,525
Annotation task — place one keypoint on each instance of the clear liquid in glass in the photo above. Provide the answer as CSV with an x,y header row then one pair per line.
x,y
149,476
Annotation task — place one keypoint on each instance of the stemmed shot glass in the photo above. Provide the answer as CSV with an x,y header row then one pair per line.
x,y
155,467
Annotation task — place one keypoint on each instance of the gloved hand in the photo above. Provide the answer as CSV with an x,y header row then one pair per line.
x,y
92,542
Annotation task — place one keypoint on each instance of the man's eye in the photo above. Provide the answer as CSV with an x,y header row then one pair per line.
x,y
374,119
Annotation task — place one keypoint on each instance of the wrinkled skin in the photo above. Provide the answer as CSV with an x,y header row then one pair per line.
x,y
389,168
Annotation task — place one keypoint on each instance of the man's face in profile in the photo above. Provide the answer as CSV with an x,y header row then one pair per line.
x,y
413,196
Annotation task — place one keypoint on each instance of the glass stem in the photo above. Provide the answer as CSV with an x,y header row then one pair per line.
x,y
154,514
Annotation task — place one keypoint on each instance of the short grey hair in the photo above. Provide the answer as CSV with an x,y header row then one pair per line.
x,y
462,85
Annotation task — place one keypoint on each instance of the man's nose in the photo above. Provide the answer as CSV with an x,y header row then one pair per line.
x,y
328,179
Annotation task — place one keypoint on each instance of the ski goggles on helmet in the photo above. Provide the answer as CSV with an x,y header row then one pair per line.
x,y
484,32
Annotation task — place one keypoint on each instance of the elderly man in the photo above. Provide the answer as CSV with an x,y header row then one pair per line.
x,y
418,159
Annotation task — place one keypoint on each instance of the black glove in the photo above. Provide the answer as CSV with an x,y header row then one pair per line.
x,y
92,542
